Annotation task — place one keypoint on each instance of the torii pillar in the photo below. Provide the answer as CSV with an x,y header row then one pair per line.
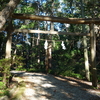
x,y
93,55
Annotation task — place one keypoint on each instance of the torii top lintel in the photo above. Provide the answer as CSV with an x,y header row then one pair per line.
x,y
58,19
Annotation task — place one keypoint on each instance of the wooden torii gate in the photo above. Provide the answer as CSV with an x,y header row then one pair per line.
x,y
7,12
90,21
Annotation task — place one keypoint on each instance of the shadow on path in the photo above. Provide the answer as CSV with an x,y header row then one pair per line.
x,y
40,86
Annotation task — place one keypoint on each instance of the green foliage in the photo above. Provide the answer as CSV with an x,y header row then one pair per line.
x,y
19,46
27,9
18,62
5,66
4,92
27,26
73,52
1,78
72,74
2,85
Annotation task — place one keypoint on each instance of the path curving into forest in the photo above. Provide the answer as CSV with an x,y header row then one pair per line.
x,y
39,86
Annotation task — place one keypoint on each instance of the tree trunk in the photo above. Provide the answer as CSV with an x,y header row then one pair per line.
x,y
7,12
87,73
48,57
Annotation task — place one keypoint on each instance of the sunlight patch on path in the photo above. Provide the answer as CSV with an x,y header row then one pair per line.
x,y
48,87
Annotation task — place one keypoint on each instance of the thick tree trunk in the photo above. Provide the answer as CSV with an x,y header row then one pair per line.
x,y
7,12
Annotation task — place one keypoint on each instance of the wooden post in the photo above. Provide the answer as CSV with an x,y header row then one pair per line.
x,y
8,53
93,55
8,44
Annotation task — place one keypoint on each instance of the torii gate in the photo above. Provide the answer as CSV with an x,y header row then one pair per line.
x,y
89,21
7,12
92,34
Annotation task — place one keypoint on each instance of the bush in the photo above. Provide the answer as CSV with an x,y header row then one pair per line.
x,y
2,86
5,70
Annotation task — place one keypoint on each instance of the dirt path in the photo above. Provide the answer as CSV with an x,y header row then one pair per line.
x,y
38,86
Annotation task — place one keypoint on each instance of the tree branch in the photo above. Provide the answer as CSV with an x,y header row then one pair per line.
x,y
7,11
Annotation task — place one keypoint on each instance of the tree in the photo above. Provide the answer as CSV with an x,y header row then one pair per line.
x,y
85,46
7,12
3,3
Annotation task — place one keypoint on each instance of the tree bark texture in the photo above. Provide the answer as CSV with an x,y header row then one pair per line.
x,y
7,12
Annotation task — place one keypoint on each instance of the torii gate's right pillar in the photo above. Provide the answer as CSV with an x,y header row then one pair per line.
x,y
93,55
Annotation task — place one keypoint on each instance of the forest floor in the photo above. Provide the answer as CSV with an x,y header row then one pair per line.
x,y
39,86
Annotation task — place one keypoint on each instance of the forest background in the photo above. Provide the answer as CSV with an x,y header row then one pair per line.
x,y
55,54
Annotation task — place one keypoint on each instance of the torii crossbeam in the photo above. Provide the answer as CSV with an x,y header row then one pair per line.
x,y
58,19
